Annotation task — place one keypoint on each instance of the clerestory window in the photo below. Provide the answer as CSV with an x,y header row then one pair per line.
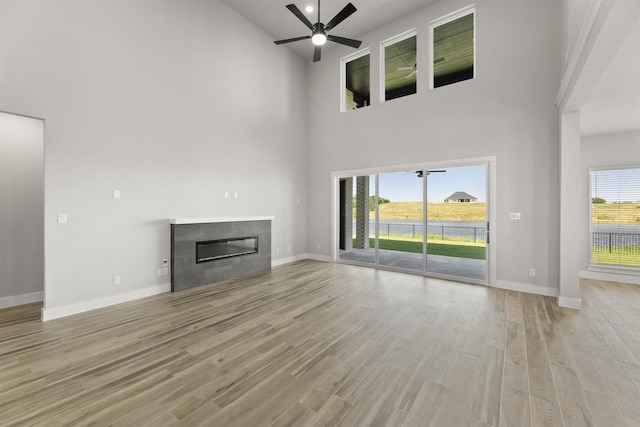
x,y
399,66
453,48
356,87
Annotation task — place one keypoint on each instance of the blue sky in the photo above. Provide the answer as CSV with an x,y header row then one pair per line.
x,y
406,187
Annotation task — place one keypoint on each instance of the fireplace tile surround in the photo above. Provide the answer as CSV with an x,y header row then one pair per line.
x,y
186,233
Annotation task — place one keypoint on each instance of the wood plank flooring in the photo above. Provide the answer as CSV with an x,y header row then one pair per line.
x,y
321,344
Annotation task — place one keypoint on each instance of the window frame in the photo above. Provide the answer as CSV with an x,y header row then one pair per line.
x,y
383,45
597,266
467,10
343,75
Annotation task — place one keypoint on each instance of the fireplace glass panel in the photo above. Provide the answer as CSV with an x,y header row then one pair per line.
x,y
225,248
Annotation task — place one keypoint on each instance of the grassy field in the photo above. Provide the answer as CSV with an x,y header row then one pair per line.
x,y
616,259
605,213
615,213
435,211
460,250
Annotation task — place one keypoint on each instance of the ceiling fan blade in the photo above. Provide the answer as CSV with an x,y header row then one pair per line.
x,y
343,40
341,16
295,39
294,9
317,53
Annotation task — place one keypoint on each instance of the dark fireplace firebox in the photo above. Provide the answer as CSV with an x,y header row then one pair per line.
x,y
225,248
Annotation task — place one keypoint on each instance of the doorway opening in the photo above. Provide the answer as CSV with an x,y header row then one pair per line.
x,y
21,210
432,221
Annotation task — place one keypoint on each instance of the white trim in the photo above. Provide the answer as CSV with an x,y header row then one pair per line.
x,y
220,219
467,10
526,288
566,302
15,300
317,257
609,276
579,54
489,161
81,307
595,266
383,45
288,260
343,73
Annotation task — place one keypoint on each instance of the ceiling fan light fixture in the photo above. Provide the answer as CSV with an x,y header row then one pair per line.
x,y
319,39
309,9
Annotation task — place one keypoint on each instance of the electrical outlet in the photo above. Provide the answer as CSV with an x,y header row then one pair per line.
x,y
277,251
318,247
116,280
159,271
288,249
532,272
116,194
165,271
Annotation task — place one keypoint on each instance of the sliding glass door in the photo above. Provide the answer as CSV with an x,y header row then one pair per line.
x,y
401,220
457,222
431,221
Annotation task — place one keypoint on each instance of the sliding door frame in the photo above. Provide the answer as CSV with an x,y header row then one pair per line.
x,y
491,164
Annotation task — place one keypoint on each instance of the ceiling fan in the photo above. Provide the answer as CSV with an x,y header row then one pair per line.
x,y
419,174
319,30
414,70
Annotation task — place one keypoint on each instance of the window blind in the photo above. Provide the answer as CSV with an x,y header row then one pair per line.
x,y
615,217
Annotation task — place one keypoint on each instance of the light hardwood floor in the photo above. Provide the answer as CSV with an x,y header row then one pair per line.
x,y
314,343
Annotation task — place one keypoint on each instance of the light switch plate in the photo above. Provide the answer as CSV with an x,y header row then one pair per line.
x,y
514,215
62,218
116,194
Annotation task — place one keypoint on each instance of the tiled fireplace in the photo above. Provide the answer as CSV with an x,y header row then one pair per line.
x,y
208,250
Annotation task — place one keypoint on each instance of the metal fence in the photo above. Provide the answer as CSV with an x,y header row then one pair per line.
x,y
434,232
616,243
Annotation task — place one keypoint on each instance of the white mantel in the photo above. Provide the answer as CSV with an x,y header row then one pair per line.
x,y
219,219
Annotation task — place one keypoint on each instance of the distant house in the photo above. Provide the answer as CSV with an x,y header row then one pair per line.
x,y
460,197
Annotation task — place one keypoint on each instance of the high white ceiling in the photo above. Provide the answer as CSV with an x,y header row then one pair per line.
x,y
275,19
614,104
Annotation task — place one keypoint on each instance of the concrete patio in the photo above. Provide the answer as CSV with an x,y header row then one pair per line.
x,y
466,268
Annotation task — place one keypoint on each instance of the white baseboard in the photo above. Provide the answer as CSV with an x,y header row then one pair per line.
x,y
12,301
574,303
317,257
68,310
288,260
610,277
525,287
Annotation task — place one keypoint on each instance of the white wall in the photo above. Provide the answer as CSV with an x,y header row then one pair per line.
x,y
21,209
508,111
604,151
172,103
